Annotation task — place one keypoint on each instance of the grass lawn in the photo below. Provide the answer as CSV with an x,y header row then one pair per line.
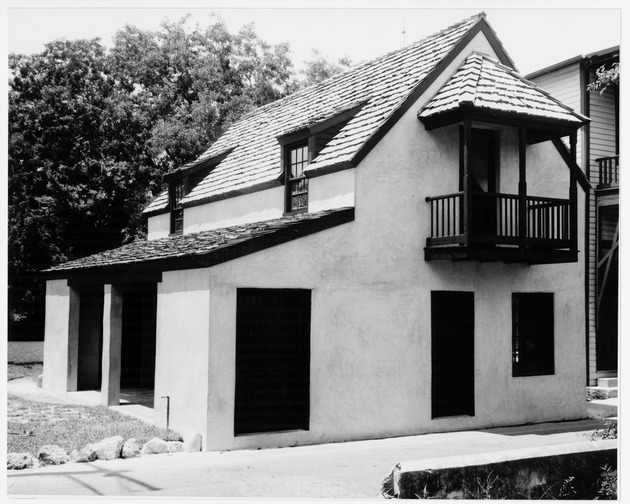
x,y
33,424
25,358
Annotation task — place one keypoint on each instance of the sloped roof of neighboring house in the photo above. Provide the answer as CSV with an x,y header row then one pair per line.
x,y
486,85
382,89
205,248
594,57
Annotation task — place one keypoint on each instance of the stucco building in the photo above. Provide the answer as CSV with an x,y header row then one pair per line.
x,y
390,252
598,155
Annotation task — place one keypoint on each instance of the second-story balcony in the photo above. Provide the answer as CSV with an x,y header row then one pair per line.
x,y
608,172
501,227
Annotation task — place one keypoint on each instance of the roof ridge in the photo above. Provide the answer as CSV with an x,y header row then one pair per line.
x,y
297,94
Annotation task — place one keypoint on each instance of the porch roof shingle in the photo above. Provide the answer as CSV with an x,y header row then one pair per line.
x,y
206,248
483,83
380,86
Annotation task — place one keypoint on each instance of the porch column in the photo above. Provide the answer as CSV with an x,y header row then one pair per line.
x,y
73,338
112,338
522,186
467,182
573,192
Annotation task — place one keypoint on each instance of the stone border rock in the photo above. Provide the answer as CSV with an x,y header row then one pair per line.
x,y
108,449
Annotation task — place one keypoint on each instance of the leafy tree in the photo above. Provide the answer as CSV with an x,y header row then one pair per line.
x,y
92,132
318,68
605,78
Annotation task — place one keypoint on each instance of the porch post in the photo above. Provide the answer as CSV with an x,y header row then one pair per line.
x,y
573,192
112,338
522,186
73,338
467,183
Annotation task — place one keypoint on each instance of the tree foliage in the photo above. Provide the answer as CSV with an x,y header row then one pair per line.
x,y
319,68
605,77
92,131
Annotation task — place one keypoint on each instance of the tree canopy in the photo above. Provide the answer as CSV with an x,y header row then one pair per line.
x,y
92,131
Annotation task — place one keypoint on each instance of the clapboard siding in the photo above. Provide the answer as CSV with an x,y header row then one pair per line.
x,y
564,84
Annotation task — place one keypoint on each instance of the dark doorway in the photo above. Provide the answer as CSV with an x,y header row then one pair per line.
x,y
272,360
89,366
482,168
608,288
452,353
138,336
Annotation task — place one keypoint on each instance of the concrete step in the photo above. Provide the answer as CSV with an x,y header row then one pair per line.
x,y
608,382
604,392
602,408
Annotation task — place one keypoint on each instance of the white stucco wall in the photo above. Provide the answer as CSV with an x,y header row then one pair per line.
x,y
181,366
335,190
370,369
371,291
158,226
253,207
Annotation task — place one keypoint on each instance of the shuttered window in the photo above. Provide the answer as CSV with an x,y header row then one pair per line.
x,y
532,334
272,360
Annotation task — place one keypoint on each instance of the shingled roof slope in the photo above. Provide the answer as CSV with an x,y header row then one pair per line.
x,y
381,85
207,248
484,83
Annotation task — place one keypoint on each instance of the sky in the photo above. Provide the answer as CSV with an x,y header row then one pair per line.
x,y
536,36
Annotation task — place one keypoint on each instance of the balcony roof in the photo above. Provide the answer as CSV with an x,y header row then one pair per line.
x,y
484,89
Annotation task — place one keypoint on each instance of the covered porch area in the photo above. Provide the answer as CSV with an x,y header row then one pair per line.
x,y
108,357
478,221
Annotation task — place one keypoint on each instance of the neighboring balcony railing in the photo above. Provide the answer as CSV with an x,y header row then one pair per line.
x,y
608,170
495,219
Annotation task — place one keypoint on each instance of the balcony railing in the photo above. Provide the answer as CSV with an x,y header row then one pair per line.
x,y
608,171
495,219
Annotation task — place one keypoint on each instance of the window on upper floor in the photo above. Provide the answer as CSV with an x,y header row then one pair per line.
x,y
532,334
296,183
176,194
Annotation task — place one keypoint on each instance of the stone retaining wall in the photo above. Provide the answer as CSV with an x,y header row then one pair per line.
x,y
569,471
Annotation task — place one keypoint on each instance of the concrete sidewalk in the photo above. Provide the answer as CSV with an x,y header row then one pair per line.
x,y
351,470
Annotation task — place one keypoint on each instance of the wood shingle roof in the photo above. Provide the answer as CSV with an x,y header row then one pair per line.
x,y
483,83
205,248
381,86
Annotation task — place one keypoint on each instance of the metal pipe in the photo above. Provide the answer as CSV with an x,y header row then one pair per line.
x,y
168,407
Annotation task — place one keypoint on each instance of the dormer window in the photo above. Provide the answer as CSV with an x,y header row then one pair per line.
x,y
296,183
175,202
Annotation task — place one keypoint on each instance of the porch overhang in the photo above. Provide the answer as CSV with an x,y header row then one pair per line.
x,y
484,90
539,129
145,260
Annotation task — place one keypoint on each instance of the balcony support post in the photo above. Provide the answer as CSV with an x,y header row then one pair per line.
x,y
573,192
522,186
467,182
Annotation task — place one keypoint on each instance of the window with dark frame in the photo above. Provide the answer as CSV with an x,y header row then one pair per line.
x,y
532,334
296,183
177,211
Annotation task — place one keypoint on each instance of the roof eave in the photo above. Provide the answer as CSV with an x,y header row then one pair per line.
x,y
197,165
212,257
553,127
